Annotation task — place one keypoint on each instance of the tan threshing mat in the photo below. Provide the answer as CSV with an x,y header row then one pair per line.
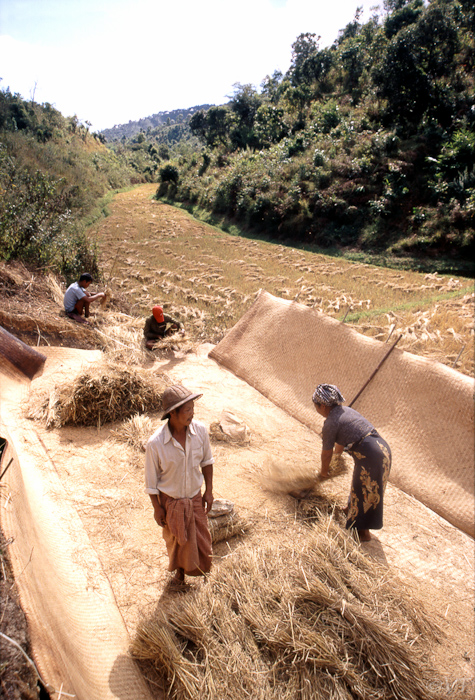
x,y
78,635
423,408
88,556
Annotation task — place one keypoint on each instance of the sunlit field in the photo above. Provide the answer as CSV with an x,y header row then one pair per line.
x,y
152,253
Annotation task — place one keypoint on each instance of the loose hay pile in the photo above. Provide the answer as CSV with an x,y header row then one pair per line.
x,y
173,342
300,480
316,621
104,394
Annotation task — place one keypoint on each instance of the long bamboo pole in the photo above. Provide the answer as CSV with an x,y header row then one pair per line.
x,y
376,370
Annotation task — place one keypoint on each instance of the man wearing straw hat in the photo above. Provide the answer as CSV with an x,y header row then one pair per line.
x,y
178,460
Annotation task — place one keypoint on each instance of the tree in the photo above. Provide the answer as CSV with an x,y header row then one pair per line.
x,y
352,29
468,13
415,59
393,5
245,103
244,106
218,126
169,173
198,125
272,86
211,127
304,54
269,125
298,98
353,59
403,17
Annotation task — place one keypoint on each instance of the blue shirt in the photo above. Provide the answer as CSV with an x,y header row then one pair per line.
x,y
73,293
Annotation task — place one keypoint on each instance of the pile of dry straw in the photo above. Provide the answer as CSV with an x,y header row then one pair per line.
x,y
103,394
275,623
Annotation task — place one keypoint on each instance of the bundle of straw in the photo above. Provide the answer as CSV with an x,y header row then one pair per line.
x,y
106,298
135,431
323,622
226,526
100,395
55,289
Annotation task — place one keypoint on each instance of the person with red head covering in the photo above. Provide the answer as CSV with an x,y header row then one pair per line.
x,y
159,325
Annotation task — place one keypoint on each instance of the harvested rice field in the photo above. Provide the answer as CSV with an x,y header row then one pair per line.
x,y
153,253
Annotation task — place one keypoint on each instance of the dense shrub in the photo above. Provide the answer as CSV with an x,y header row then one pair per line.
x,y
169,173
366,143
53,173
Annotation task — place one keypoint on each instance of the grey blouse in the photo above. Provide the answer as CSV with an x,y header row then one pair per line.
x,y
344,426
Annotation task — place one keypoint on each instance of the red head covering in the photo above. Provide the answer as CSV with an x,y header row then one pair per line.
x,y
157,312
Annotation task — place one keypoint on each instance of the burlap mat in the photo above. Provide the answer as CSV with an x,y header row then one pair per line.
x,y
423,408
78,636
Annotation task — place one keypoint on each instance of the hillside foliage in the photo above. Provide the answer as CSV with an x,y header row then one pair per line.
x,y
169,126
54,175
364,148
366,145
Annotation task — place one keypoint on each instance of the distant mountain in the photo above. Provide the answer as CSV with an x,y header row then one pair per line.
x,y
175,116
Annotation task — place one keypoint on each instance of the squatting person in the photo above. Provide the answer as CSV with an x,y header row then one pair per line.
x,y
178,460
158,325
346,428
77,299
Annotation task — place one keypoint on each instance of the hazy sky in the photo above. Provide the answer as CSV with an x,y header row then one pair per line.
x,y
111,61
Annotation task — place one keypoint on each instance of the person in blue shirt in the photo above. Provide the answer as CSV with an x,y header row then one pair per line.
x,y
77,299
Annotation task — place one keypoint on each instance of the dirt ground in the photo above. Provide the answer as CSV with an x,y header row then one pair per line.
x,y
105,480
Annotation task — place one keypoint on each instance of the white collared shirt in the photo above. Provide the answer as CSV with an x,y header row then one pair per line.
x,y
173,470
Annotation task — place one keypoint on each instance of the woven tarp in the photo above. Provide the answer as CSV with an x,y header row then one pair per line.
x,y
78,635
423,408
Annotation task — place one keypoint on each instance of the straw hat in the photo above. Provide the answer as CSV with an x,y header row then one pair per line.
x,y
174,397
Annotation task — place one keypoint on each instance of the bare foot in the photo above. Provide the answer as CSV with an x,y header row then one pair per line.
x,y
180,575
178,581
364,535
78,318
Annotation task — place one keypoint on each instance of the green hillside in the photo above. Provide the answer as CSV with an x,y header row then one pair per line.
x,y
55,178
175,122
365,146
364,149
